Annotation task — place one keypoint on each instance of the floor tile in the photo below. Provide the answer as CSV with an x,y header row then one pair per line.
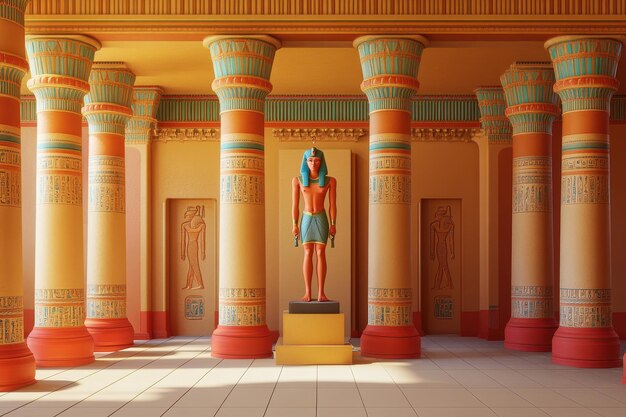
x,y
190,412
334,398
396,412
35,412
240,412
427,379
203,397
438,397
456,412
544,397
139,412
499,397
383,398
569,412
291,412
293,397
618,394
518,412
474,378
248,397
588,397
610,412
91,412
341,412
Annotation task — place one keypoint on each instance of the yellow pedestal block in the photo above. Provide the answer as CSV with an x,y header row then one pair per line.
x,y
313,339
313,354
313,329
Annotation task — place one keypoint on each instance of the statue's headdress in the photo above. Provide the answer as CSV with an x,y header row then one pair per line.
x,y
304,168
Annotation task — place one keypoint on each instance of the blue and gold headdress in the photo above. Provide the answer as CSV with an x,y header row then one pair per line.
x,y
304,168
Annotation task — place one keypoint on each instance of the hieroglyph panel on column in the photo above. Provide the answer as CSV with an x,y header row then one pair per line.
x,y
441,273
192,254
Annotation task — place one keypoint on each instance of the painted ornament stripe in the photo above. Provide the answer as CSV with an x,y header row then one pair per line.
x,y
585,308
106,301
389,306
242,306
531,302
532,184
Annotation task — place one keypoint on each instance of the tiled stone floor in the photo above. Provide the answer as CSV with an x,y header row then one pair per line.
x,y
456,377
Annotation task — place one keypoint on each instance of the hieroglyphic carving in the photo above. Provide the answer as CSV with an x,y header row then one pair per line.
x,y
106,301
10,176
390,189
59,178
590,189
11,319
531,302
186,135
389,306
242,306
107,189
248,189
319,134
532,184
194,307
444,307
464,135
589,308
59,307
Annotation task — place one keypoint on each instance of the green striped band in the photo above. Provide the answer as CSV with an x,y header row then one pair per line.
x,y
390,145
226,146
59,145
585,145
9,138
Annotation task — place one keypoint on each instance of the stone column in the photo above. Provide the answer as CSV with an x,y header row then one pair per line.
x,y
493,148
390,65
138,136
107,109
532,107
585,69
60,66
17,364
242,67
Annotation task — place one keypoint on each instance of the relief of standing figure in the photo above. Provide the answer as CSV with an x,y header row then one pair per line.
x,y
193,240
442,234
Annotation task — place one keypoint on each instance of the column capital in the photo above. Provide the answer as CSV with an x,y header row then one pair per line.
x,y
108,104
242,66
492,105
144,106
60,67
390,65
12,70
14,11
585,68
532,103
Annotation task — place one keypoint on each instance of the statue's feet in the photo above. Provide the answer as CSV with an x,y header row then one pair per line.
x,y
306,298
186,288
321,298
199,287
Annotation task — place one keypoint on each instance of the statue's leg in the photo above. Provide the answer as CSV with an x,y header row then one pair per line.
x,y
307,270
321,271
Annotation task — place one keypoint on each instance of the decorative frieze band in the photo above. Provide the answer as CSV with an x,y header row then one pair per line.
x,y
319,134
389,306
241,306
11,319
531,302
106,301
186,135
59,307
586,308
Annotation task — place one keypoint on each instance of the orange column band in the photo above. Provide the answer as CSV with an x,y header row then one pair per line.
x,y
585,69
60,67
242,68
390,65
17,363
107,110
532,107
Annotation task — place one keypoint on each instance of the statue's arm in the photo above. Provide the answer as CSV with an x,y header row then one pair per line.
x,y
295,205
451,235
332,205
183,241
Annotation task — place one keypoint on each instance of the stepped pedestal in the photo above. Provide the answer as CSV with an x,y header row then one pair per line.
x,y
313,335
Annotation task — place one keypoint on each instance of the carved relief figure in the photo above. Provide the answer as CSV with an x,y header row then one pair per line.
x,y
442,242
192,241
314,184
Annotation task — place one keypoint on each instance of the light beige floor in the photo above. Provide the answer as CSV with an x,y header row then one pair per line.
x,y
456,377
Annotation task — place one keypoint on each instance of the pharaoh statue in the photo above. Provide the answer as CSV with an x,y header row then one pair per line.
x,y
314,230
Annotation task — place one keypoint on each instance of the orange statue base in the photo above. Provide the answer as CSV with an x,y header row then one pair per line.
x,y
394,342
17,366
530,335
110,335
61,346
586,348
241,342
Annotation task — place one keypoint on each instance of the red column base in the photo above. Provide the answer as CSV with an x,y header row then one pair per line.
x,y
110,335
17,366
241,342
61,346
586,348
393,342
530,335
624,377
